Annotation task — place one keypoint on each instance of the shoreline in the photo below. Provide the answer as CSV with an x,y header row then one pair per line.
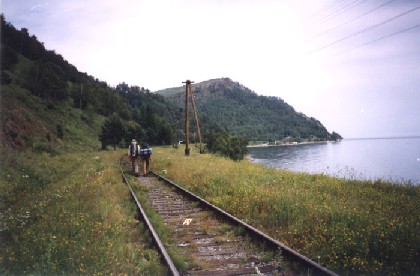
x,y
290,144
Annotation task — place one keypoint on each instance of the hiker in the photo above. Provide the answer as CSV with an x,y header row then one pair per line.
x,y
145,152
133,154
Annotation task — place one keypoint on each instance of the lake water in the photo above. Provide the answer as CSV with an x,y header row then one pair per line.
x,y
396,159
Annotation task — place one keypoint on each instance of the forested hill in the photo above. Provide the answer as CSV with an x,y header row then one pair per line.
x,y
242,112
48,105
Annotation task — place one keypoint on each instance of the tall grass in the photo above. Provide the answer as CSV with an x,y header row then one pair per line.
x,y
69,214
349,226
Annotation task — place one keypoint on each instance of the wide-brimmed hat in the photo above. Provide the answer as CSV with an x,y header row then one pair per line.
x,y
133,141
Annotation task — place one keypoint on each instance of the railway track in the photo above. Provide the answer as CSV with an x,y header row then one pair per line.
x,y
209,240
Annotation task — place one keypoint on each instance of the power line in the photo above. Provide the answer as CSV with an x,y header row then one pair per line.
x,y
326,8
335,7
364,30
349,21
337,12
344,9
378,39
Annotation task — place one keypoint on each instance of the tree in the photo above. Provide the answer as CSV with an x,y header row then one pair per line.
x,y
164,133
112,131
47,80
134,131
8,58
335,136
60,131
232,146
238,148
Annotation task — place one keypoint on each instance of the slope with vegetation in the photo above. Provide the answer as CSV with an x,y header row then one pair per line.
x,y
29,69
63,208
242,112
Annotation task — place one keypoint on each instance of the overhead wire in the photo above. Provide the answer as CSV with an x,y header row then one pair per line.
x,y
378,39
329,9
349,21
326,9
330,6
345,9
364,30
339,10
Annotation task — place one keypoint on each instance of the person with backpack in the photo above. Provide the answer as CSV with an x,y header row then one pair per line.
x,y
133,155
145,153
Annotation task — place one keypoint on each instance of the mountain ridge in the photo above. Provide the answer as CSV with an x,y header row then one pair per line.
x,y
243,112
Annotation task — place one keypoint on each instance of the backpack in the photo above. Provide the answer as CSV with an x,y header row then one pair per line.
x,y
145,152
133,150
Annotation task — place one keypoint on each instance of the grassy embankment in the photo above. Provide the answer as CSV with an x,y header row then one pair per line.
x,y
63,206
349,226
70,214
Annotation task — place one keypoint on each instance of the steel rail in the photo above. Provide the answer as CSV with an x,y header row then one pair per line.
x,y
317,268
155,236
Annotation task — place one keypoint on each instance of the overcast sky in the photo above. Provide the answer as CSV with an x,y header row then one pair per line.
x,y
352,64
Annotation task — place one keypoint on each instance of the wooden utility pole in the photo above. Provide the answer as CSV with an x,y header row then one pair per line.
x,y
187,90
196,121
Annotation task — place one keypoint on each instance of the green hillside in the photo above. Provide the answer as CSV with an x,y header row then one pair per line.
x,y
47,103
63,208
242,112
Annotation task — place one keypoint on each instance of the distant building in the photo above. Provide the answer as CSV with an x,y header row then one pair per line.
x,y
288,140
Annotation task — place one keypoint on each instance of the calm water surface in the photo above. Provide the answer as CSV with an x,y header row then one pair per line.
x,y
396,159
